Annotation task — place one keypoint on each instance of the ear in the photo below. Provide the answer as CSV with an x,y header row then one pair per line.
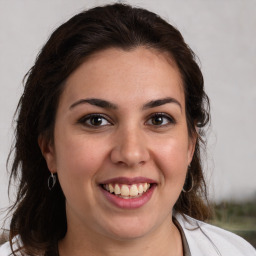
x,y
192,145
48,152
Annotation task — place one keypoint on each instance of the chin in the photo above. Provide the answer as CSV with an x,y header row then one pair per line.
x,y
129,229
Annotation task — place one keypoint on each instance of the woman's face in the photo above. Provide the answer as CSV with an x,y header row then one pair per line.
x,y
120,128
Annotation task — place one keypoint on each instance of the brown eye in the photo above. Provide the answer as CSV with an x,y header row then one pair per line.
x,y
157,120
94,120
160,119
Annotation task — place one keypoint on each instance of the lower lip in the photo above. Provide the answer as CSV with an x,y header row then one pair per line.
x,y
131,203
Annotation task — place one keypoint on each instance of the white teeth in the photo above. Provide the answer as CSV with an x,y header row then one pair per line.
x,y
111,189
145,187
125,190
134,190
117,190
140,189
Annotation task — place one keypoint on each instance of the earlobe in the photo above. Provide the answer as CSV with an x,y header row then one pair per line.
x,y
48,152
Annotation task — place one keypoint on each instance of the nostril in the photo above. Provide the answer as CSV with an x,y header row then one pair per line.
x,y
121,163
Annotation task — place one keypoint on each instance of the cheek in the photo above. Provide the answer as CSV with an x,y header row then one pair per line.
x,y
78,160
171,158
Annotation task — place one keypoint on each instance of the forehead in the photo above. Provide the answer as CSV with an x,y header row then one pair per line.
x,y
123,75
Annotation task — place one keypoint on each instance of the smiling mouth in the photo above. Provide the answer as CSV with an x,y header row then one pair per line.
x,y
126,191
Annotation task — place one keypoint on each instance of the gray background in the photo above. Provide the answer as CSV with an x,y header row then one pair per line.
x,y
222,34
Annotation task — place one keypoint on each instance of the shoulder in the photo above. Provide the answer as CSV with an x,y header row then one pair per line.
x,y
5,249
205,238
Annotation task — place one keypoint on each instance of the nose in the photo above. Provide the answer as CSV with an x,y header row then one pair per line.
x,y
130,149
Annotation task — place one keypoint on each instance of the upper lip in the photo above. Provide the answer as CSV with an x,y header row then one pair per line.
x,y
128,181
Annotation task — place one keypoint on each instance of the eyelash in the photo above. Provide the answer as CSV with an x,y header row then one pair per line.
x,y
170,120
84,120
90,117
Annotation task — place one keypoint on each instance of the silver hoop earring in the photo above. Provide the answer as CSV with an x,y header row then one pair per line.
x,y
51,181
189,183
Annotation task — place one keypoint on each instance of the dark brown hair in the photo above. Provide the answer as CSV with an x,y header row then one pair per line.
x,y
39,214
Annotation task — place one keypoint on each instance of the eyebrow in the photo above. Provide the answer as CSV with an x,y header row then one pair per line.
x,y
95,102
108,105
160,102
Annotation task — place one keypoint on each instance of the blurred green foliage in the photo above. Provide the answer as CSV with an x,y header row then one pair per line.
x,y
239,218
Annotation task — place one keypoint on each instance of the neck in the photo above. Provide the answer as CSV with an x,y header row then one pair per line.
x,y
165,240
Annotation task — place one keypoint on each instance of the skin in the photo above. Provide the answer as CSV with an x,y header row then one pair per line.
x,y
127,143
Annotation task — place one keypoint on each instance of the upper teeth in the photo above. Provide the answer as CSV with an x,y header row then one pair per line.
x,y
127,190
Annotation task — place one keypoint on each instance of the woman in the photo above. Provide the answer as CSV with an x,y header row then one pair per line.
x,y
108,144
